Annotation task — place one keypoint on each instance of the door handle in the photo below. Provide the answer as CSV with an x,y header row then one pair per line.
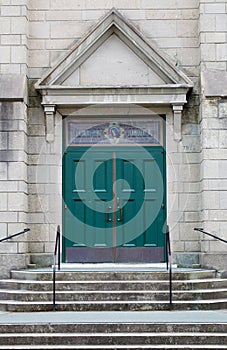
x,y
120,210
108,219
120,218
121,214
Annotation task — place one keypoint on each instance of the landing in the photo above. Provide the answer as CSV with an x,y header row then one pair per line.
x,y
219,316
111,267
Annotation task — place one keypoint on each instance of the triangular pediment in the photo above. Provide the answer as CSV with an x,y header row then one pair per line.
x,y
113,54
113,64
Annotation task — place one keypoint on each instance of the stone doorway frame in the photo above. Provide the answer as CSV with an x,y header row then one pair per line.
x,y
167,99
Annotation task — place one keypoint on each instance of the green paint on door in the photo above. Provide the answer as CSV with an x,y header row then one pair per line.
x,y
114,204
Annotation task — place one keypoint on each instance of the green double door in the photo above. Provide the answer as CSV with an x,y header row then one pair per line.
x,y
114,206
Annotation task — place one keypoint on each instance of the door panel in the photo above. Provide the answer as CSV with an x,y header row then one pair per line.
x,y
113,204
85,199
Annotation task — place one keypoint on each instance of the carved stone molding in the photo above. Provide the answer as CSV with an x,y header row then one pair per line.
x,y
49,111
63,86
177,117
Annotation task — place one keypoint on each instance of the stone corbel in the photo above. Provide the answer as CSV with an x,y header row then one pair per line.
x,y
177,116
49,111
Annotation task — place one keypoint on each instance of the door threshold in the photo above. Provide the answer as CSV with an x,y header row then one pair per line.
x,y
114,266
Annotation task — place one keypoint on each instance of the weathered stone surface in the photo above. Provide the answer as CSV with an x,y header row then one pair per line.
x,y
12,261
42,260
13,87
214,83
190,33
214,261
114,64
187,259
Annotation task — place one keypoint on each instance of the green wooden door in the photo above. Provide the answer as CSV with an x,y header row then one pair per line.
x,y
141,209
114,204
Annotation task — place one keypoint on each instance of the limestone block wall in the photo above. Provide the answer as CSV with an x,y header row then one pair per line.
x,y
45,196
54,26
214,181
13,36
13,173
35,34
213,33
213,28
13,120
184,202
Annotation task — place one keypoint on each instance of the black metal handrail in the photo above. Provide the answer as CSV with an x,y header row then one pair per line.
x,y
56,251
14,235
169,267
210,234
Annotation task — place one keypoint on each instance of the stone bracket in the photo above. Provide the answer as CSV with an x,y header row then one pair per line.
x,y
49,111
177,117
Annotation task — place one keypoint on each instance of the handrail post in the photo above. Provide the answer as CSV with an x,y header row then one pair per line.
x,y
169,267
56,251
170,285
54,285
167,251
59,245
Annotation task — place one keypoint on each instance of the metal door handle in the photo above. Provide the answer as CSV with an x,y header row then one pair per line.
x,y
120,210
121,214
108,219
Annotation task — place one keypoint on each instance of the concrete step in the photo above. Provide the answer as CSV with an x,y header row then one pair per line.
x,y
109,285
87,292
147,338
31,290
130,328
159,330
114,347
151,305
120,295
69,275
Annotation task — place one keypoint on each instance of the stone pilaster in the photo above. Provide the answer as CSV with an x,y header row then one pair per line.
x,y
13,119
13,165
213,30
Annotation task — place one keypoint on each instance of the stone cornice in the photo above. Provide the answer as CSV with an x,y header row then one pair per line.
x,y
156,96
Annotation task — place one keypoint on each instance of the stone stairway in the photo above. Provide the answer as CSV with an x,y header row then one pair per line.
x,y
103,294
113,335
31,290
